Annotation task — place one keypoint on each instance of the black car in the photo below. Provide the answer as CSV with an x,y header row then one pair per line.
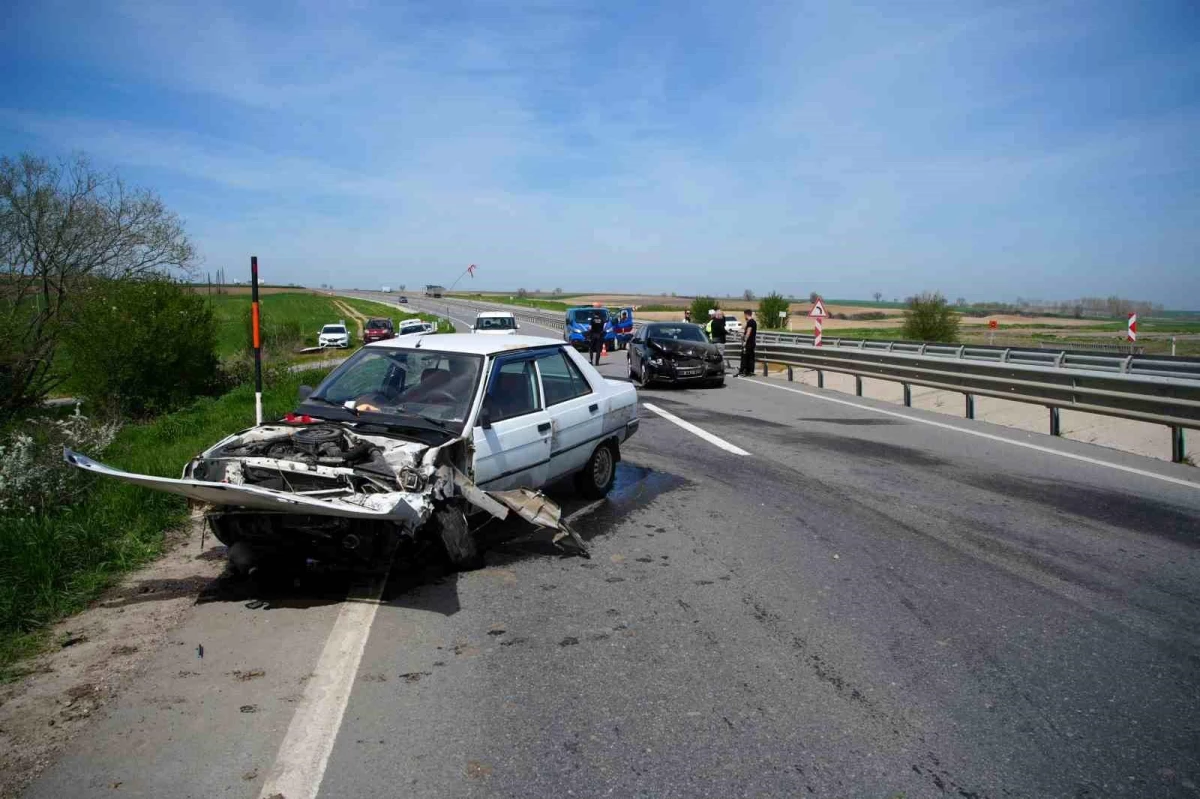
x,y
675,352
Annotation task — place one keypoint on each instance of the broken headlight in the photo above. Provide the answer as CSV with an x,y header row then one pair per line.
x,y
409,480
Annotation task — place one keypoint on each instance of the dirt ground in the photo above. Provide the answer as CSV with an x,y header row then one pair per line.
x,y
98,651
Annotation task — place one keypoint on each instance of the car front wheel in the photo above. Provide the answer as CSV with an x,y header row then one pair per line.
x,y
597,477
644,375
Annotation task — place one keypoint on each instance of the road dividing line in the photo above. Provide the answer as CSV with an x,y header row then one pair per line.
x,y
691,428
300,764
981,434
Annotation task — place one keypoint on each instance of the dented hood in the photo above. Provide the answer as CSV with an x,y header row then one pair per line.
x,y
363,506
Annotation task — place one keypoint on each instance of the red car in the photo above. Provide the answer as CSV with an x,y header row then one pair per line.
x,y
378,330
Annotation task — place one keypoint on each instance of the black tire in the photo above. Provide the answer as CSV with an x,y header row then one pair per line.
x,y
596,478
644,379
632,374
719,383
461,547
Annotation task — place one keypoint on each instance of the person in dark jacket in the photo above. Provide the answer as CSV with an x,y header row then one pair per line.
x,y
749,340
596,337
717,332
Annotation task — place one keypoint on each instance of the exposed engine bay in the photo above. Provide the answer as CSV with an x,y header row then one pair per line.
x,y
331,492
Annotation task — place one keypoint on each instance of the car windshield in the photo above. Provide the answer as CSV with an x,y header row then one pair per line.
x,y
333,329
677,332
377,324
495,323
401,382
583,316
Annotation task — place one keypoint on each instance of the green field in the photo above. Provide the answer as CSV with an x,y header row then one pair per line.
x,y
524,302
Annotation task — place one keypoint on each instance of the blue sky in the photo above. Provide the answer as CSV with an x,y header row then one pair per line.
x,y
988,150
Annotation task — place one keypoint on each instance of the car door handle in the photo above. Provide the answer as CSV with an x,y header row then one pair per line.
x,y
593,407
544,427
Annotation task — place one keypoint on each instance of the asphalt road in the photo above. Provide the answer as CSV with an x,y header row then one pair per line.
x,y
863,605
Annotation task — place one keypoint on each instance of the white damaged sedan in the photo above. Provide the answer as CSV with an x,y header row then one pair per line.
x,y
408,437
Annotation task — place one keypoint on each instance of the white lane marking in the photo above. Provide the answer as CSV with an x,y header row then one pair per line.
x,y
303,755
691,428
989,436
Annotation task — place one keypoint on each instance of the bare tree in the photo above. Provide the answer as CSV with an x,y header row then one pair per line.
x,y
63,226
748,295
878,296
813,297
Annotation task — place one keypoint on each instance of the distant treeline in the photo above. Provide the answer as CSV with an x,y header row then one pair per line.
x,y
1106,307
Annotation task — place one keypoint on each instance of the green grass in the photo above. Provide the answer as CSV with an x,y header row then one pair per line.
x,y
371,308
308,311
524,302
55,564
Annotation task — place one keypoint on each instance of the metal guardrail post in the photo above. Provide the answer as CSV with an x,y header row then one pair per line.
x,y
790,375
1178,455
970,405
857,386
907,395
1055,422
764,363
820,379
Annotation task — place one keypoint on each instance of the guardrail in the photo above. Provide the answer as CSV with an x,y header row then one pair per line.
x,y
1155,390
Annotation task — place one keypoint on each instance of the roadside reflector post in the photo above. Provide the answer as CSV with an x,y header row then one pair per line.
x,y
254,323
790,375
970,405
907,395
858,385
1178,455
1055,422
1131,333
764,363
820,379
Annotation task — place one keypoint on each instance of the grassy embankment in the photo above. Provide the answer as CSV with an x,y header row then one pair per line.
x,y
54,564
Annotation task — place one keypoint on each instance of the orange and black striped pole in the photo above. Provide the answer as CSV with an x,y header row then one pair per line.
x,y
258,413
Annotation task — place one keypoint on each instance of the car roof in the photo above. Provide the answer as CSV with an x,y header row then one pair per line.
x,y
494,315
470,343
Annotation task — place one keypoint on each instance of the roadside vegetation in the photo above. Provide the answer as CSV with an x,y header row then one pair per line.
x,y
930,318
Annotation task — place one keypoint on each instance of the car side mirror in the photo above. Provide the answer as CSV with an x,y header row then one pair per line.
x,y
304,393
485,418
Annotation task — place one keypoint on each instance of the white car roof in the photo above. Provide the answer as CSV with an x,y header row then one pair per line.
x,y
494,315
469,343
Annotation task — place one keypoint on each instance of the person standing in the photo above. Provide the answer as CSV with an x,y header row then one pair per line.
x,y
717,332
596,337
749,340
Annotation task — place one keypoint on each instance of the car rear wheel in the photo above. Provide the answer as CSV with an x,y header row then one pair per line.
x,y
597,477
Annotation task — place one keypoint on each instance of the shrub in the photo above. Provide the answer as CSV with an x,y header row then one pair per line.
x,y
769,308
33,475
700,307
868,316
142,347
930,318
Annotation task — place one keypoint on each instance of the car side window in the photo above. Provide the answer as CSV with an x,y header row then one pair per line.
x,y
512,391
561,378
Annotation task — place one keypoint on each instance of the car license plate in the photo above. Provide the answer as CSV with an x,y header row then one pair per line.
x,y
690,370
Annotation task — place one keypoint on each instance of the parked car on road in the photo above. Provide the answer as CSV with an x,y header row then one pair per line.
x,y
675,352
378,330
409,327
334,336
410,438
496,323
733,326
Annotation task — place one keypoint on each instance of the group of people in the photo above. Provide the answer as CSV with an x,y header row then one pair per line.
x,y
718,335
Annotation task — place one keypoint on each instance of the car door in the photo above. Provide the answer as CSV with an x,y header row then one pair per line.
x,y
576,414
513,433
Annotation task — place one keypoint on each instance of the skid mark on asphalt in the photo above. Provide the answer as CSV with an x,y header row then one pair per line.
x,y
303,755
981,434
696,431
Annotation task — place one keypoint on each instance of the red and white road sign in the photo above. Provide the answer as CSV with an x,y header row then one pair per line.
x,y
817,332
818,310
1133,327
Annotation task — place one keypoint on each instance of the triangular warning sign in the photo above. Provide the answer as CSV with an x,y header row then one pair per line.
x,y
818,310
